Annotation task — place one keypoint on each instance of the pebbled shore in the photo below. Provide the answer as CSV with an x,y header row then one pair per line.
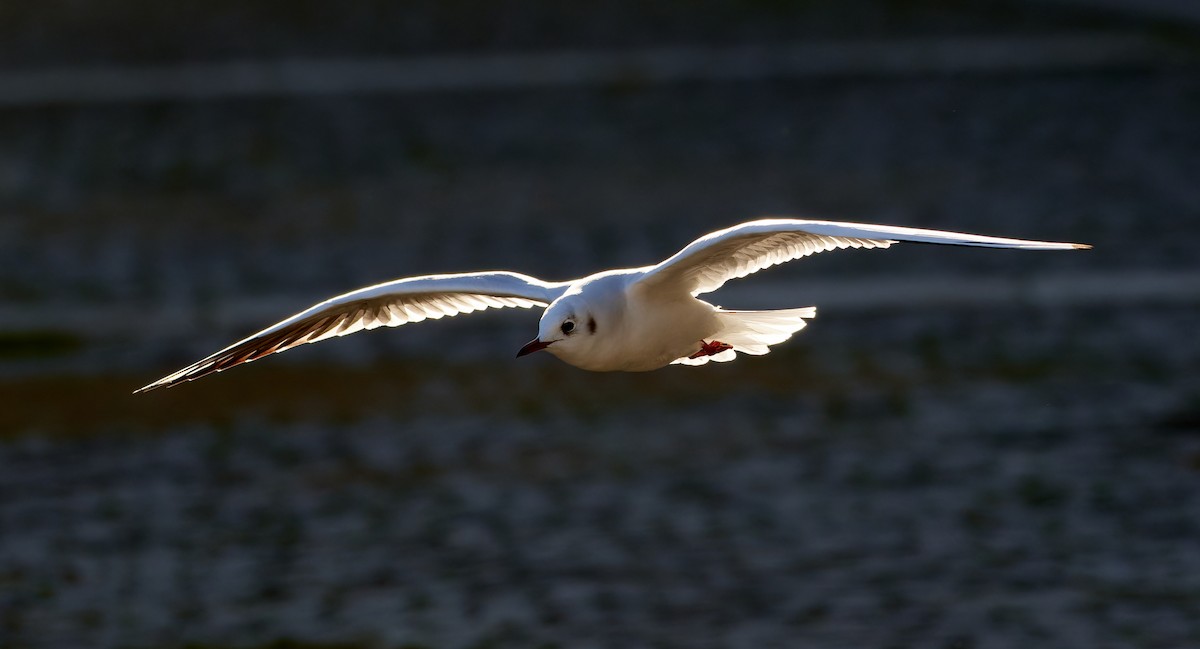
x,y
879,481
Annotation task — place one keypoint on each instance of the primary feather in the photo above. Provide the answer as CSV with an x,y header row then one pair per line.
x,y
708,262
390,304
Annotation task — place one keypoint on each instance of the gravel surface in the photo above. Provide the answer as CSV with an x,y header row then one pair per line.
x,y
884,481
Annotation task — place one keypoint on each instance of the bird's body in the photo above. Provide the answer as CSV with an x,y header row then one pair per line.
x,y
632,319
607,306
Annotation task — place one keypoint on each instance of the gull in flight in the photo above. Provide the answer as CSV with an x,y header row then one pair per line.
x,y
628,319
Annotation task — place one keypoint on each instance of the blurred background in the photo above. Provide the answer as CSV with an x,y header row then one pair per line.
x,y
967,448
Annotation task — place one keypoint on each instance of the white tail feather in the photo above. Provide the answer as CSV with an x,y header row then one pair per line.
x,y
753,332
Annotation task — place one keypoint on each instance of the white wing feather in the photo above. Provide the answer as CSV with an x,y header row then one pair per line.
x,y
710,261
384,305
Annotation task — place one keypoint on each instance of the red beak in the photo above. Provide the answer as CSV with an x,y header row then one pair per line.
x,y
532,346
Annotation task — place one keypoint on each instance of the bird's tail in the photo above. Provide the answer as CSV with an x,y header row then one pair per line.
x,y
753,332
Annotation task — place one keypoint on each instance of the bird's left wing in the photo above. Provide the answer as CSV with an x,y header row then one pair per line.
x,y
710,261
384,305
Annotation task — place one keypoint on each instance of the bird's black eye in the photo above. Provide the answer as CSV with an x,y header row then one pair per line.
x,y
568,326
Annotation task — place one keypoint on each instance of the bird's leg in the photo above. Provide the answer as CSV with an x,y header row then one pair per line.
x,y
711,349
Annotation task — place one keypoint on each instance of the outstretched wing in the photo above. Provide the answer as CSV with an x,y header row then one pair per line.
x,y
384,305
710,261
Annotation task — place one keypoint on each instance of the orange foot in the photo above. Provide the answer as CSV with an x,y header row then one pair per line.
x,y
710,349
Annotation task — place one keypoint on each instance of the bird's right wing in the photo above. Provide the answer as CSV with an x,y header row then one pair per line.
x,y
708,262
390,304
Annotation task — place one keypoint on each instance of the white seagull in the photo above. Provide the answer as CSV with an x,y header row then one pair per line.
x,y
627,319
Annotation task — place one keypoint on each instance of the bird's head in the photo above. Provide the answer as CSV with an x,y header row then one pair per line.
x,y
567,330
